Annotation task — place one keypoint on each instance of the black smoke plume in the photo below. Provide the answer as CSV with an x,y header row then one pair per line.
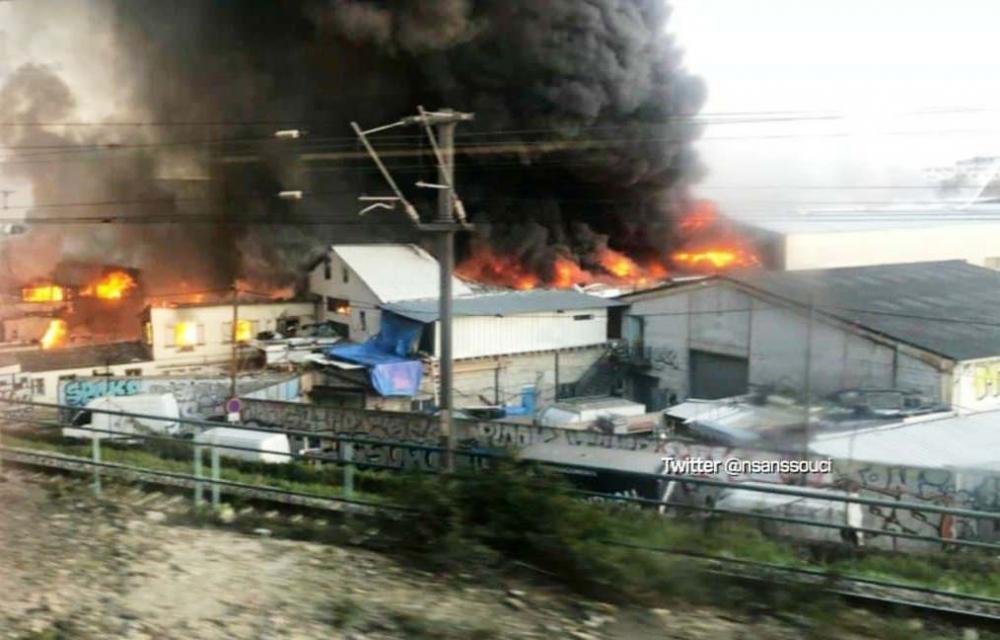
x,y
581,129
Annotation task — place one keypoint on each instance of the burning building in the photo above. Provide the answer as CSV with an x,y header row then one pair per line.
x,y
190,336
78,303
704,242
579,171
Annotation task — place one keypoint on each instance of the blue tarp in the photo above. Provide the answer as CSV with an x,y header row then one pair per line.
x,y
391,371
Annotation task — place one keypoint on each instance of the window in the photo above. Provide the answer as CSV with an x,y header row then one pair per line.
x,y
327,270
587,316
364,321
245,330
38,386
424,405
345,274
339,306
147,332
187,334
133,372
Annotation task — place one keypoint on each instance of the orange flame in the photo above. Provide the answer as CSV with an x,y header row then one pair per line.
x,y
707,243
43,293
112,286
568,273
485,266
55,335
620,265
716,258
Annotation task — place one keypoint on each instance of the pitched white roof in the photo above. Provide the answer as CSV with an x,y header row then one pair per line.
x,y
396,271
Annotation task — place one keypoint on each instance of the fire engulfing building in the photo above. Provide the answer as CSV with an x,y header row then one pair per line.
x,y
545,340
353,280
927,328
199,334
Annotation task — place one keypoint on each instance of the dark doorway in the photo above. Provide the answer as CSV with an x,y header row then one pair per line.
x,y
714,375
646,389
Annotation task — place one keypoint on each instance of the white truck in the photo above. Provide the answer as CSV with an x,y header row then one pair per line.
x,y
155,414
247,444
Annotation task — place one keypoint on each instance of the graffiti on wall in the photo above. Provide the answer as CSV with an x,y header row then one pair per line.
x,y
664,358
78,393
944,487
940,487
18,388
196,397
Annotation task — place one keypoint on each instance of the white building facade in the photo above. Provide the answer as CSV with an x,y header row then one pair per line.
x,y
195,335
855,239
503,342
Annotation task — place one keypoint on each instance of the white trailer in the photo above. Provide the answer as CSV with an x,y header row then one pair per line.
x,y
584,413
845,518
156,414
256,446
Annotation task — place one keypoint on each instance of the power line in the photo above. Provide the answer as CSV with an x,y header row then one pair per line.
x,y
777,115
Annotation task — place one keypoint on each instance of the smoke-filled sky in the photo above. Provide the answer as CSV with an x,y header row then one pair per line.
x,y
601,79
876,63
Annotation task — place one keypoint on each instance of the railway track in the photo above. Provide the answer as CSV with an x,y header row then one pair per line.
x,y
956,608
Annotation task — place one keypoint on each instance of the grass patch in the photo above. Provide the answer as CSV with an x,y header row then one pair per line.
x,y
177,457
536,518
539,520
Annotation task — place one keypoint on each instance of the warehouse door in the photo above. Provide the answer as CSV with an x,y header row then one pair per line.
x,y
714,375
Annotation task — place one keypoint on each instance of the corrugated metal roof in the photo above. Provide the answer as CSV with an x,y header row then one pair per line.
x,y
958,442
100,355
951,308
509,303
396,271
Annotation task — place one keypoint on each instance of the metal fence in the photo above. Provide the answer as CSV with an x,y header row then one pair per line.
x,y
471,459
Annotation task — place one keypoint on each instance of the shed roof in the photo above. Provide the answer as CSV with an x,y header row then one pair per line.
x,y
396,271
508,303
950,308
958,442
100,355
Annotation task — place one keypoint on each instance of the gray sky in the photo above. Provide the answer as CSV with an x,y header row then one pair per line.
x,y
879,64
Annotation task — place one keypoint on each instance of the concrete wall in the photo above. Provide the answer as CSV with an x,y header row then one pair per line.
x,y
45,384
214,343
197,397
477,377
720,318
980,491
363,319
